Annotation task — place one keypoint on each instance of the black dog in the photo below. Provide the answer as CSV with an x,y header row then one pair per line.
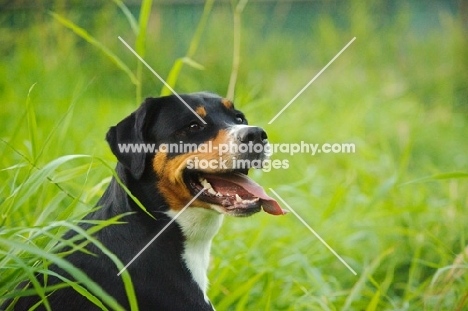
x,y
171,273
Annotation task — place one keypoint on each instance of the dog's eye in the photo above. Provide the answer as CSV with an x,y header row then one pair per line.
x,y
240,119
195,126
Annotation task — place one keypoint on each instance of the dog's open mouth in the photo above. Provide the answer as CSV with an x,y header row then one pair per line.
x,y
233,191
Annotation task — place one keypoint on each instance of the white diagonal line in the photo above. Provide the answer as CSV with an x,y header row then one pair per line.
x,y
161,79
160,232
310,82
315,233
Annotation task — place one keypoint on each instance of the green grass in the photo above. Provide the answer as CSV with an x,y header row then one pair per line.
x,y
395,210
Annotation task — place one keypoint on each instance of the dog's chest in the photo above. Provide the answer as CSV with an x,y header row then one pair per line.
x,y
199,226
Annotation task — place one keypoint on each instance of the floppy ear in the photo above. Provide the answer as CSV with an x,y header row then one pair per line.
x,y
131,131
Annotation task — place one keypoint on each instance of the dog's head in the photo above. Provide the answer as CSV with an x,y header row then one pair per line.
x,y
206,150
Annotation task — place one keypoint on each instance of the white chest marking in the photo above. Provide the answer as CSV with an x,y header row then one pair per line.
x,y
199,226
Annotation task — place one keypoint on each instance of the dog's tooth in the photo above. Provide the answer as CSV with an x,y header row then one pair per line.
x,y
238,198
219,194
211,190
205,183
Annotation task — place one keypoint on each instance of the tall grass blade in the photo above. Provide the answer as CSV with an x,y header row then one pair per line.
x,y
131,20
187,60
145,12
374,303
236,47
32,125
178,64
86,36
140,44
453,175
359,286
200,28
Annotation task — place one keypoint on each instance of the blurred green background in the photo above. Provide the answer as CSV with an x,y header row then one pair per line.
x,y
395,210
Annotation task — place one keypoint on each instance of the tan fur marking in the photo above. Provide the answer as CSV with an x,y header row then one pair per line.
x,y
227,103
201,111
169,171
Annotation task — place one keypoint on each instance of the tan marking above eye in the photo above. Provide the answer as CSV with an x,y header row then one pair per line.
x,y
227,103
201,111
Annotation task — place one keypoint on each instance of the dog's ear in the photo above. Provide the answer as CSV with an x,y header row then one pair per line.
x,y
131,131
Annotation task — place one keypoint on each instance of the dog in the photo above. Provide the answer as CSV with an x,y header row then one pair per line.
x,y
171,273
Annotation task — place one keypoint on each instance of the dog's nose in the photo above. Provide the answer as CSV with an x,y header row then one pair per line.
x,y
252,134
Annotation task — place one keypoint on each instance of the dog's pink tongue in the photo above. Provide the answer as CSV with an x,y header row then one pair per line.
x,y
269,204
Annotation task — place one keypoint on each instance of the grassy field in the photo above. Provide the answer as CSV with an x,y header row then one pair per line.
x,y
395,210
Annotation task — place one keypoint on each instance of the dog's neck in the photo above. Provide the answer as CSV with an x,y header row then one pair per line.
x,y
199,226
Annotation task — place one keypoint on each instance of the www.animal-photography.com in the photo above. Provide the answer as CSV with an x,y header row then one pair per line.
x,y
234,155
